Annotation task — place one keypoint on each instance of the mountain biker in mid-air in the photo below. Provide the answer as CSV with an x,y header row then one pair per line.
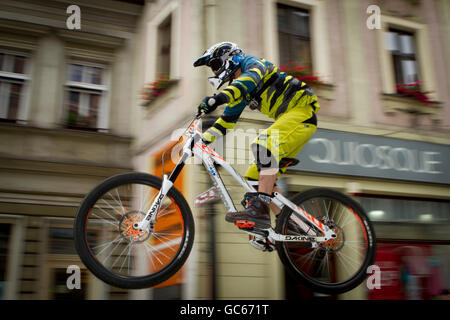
x,y
289,101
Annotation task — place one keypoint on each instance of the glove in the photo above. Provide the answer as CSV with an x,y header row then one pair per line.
x,y
210,103
207,137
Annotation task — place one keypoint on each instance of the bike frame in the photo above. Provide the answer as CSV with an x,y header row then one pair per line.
x,y
209,158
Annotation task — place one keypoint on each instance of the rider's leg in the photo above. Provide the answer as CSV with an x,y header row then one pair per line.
x,y
267,178
286,135
257,209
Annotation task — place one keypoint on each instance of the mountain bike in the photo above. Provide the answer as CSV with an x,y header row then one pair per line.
x,y
136,230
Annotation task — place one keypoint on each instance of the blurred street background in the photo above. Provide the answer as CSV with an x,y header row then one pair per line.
x,y
71,74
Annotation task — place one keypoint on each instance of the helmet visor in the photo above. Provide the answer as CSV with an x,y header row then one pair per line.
x,y
215,64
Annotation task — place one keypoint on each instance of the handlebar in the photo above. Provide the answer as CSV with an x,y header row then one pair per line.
x,y
199,115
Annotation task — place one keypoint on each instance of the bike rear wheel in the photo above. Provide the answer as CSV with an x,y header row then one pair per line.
x,y
335,266
118,254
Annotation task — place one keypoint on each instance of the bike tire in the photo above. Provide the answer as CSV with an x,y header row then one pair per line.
x,y
87,255
319,286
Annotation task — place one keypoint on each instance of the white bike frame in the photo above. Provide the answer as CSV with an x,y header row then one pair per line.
x,y
194,147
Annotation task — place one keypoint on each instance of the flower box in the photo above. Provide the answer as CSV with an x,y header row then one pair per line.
x,y
161,91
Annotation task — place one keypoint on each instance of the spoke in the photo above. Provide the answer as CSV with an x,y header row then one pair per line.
x,y
334,211
100,208
166,213
327,264
150,248
168,233
323,262
129,260
328,210
126,247
349,260
108,221
159,238
355,250
128,255
120,200
149,257
313,254
118,212
340,216
347,219
104,260
119,203
141,199
146,203
107,243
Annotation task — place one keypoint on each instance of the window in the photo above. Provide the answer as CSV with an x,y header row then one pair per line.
x,y
13,78
294,35
86,92
406,210
164,49
4,242
401,45
61,241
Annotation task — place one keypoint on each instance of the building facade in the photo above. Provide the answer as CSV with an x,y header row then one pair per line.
x,y
361,61
72,117
65,126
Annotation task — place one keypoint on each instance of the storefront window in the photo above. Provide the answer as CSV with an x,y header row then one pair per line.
x,y
412,271
400,210
413,251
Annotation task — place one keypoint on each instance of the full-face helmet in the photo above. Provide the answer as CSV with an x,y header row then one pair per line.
x,y
224,59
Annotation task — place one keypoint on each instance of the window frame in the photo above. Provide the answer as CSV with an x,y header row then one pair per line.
x,y
291,33
320,46
19,78
84,87
172,9
16,245
423,54
400,57
96,289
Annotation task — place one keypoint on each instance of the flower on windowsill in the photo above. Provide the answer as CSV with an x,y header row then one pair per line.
x,y
414,91
77,121
153,90
301,73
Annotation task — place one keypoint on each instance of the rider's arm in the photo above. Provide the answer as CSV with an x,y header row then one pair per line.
x,y
226,121
253,72
235,93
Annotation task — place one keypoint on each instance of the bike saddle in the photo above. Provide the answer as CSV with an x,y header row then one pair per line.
x,y
288,162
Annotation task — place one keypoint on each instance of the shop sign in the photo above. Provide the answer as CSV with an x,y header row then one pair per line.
x,y
353,154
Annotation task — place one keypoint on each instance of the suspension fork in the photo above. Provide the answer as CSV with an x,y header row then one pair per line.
x,y
150,216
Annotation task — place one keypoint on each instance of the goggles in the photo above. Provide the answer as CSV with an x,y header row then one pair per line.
x,y
215,64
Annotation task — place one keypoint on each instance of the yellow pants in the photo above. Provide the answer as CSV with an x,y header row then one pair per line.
x,y
285,137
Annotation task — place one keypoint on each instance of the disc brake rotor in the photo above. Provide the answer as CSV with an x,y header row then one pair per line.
x,y
334,244
127,230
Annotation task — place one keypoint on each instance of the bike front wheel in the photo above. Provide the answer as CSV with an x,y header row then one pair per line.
x,y
337,265
120,255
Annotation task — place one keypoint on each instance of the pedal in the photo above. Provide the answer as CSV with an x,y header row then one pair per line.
x,y
261,245
246,224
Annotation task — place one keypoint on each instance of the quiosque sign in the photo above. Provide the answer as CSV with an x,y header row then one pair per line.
x,y
344,153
